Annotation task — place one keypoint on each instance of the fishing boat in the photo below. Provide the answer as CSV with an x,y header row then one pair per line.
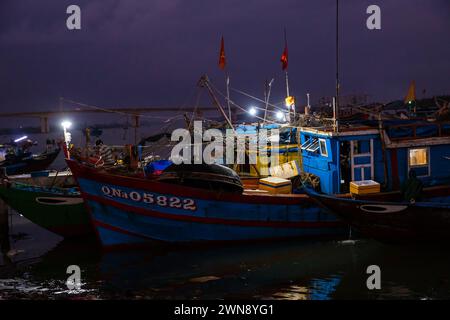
x,y
388,179
13,162
46,178
130,210
427,219
55,205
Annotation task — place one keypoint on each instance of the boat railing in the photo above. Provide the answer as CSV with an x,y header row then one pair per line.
x,y
418,131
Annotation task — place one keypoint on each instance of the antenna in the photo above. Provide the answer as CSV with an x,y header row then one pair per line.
x,y
337,63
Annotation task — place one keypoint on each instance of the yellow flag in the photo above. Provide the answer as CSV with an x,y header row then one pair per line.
x,y
411,96
290,101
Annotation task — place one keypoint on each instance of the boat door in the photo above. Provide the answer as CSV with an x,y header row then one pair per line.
x,y
361,155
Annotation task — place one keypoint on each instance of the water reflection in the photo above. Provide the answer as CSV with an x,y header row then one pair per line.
x,y
294,270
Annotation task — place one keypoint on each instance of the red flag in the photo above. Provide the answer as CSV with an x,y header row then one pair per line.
x,y
222,60
284,57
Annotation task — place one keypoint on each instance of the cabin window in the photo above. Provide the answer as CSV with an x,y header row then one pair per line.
x,y
418,157
419,161
323,147
314,147
311,145
361,147
307,143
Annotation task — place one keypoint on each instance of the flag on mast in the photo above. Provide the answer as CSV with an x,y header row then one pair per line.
x,y
222,59
284,56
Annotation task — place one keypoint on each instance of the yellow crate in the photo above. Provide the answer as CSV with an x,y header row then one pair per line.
x,y
364,187
286,170
276,185
262,163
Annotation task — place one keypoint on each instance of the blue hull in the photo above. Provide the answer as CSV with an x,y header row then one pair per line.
x,y
29,164
118,227
136,212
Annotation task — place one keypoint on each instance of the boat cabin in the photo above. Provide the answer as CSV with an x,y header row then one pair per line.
x,y
286,147
383,154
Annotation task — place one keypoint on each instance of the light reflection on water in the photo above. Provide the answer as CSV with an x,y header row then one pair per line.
x,y
293,270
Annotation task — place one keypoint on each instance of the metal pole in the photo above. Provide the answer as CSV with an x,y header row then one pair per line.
x,y
287,84
205,82
288,116
228,95
337,60
136,126
268,89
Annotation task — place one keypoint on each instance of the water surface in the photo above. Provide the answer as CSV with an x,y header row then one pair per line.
x,y
288,270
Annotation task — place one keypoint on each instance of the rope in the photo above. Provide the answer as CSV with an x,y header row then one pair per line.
x,y
120,112
239,107
257,99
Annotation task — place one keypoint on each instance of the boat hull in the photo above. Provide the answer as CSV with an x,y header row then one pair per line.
x,y
127,210
394,221
31,164
60,179
61,214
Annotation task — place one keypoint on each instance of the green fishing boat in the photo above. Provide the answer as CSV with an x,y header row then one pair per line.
x,y
58,209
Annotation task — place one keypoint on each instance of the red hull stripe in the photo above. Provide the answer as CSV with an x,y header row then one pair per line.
x,y
185,218
119,230
183,191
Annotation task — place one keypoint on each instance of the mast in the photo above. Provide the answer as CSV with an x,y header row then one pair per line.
x,y
204,82
337,67
223,66
268,89
228,93
288,115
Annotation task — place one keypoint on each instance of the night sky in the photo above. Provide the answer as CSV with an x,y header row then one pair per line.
x,y
151,53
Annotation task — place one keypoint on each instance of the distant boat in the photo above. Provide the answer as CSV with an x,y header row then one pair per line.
x,y
46,178
58,209
27,162
395,220
130,210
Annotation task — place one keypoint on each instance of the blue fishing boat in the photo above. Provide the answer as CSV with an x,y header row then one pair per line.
x,y
17,159
396,175
130,210
395,219
383,152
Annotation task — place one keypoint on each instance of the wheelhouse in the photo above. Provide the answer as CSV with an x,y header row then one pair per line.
x,y
383,154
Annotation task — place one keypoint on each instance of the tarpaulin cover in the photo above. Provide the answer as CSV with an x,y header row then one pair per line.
x,y
157,167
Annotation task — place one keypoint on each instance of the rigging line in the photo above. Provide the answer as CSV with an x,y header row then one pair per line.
x,y
199,94
114,111
257,99
242,109
189,97
234,103
368,112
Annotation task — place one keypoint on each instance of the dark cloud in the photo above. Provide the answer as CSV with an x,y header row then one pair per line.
x,y
138,52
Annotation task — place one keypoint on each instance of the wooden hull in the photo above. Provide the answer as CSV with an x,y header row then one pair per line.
x,y
61,179
30,164
64,215
394,221
129,211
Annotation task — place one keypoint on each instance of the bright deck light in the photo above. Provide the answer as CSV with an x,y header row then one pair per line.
x,y
252,111
280,115
20,139
66,124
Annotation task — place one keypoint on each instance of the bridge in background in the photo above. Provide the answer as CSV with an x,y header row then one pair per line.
x,y
135,113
